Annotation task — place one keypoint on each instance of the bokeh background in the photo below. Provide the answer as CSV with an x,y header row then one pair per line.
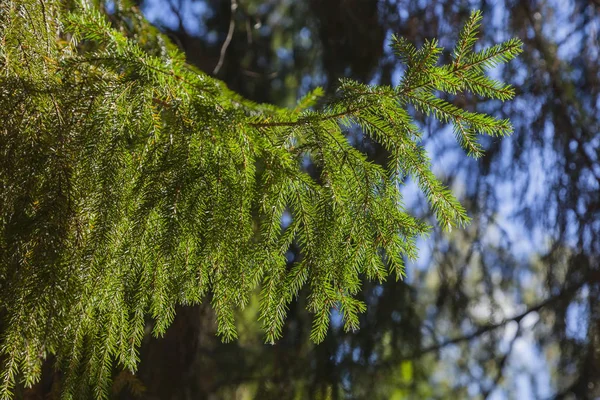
x,y
508,308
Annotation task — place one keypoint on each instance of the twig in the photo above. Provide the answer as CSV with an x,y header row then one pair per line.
x,y
303,121
228,38
565,294
177,11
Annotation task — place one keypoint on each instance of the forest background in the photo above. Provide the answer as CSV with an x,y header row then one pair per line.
x,y
508,307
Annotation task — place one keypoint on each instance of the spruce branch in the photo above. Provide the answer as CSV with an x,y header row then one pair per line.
x,y
133,183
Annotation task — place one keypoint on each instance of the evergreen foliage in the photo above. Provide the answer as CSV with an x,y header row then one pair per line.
x,y
132,183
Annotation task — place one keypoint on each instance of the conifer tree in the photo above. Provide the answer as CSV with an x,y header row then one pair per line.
x,y
132,183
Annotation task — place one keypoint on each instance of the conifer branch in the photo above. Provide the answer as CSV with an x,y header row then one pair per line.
x,y
133,183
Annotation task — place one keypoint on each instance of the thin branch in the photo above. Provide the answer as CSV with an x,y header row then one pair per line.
x,y
303,121
234,6
177,11
488,328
